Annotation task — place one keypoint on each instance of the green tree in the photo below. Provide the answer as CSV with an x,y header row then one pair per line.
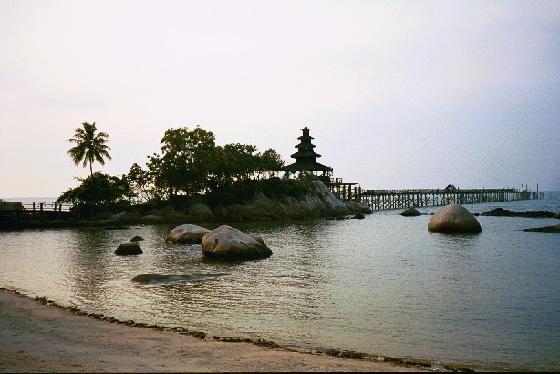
x,y
142,184
90,146
185,161
269,162
98,190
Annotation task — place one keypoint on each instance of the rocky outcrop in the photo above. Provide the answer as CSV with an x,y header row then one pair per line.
x,y
227,243
187,234
328,197
500,212
453,218
127,249
410,212
319,203
550,229
359,207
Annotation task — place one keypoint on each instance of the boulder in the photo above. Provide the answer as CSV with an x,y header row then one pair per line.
x,y
127,249
453,218
187,234
227,243
359,215
410,212
137,239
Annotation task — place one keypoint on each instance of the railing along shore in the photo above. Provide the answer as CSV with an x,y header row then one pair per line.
x,y
35,207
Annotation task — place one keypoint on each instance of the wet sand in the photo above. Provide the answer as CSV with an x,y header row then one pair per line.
x,y
42,338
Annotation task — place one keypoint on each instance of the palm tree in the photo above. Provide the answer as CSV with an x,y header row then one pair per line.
x,y
89,146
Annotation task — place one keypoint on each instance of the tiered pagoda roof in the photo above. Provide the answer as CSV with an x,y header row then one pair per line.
x,y
306,157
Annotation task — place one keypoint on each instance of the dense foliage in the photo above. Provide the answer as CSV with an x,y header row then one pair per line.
x,y
190,163
98,190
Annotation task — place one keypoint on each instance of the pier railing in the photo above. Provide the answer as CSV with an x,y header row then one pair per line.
x,y
37,207
398,199
402,199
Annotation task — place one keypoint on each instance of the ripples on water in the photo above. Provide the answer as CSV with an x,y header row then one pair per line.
x,y
380,285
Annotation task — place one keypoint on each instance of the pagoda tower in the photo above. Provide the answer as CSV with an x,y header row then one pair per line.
x,y
306,157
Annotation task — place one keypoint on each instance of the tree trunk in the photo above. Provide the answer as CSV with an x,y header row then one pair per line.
x,y
90,170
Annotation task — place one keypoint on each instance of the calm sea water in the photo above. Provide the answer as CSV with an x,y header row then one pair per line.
x,y
380,285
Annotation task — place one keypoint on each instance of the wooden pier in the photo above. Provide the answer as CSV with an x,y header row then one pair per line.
x,y
402,199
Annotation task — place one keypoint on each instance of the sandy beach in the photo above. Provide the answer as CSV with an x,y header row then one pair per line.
x,y
44,338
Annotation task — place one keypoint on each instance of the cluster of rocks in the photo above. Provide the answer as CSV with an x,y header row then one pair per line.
x,y
453,218
224,242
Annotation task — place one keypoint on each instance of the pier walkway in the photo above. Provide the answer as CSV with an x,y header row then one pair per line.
x,y
402,199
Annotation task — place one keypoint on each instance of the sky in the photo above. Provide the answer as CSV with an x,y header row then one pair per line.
x,y
398,94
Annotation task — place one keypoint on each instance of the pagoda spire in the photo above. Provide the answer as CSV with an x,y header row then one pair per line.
x,y
306,157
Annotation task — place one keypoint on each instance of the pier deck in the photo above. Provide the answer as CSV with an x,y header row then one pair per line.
x,y
402,199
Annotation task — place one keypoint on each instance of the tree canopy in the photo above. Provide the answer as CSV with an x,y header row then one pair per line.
x,y
97,190
191,163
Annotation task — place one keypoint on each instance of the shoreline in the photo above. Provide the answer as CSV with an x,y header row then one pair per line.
x,y
40,335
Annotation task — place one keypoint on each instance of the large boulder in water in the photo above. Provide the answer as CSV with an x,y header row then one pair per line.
x,y
454,218
187,233
227,243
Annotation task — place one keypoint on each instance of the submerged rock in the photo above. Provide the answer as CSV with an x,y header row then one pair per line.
x,y
500,212
410,212
187,234
137,239
454,218
170,278
127,249
227,243
551,229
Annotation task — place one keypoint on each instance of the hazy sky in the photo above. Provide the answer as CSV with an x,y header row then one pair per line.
x,y
397,94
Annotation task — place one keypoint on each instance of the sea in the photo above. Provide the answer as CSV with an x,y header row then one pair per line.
x,y
382,285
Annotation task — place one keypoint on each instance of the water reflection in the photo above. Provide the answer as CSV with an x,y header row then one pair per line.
x,y
380,285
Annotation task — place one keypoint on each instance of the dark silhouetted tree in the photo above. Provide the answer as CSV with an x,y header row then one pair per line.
x,y
89,146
